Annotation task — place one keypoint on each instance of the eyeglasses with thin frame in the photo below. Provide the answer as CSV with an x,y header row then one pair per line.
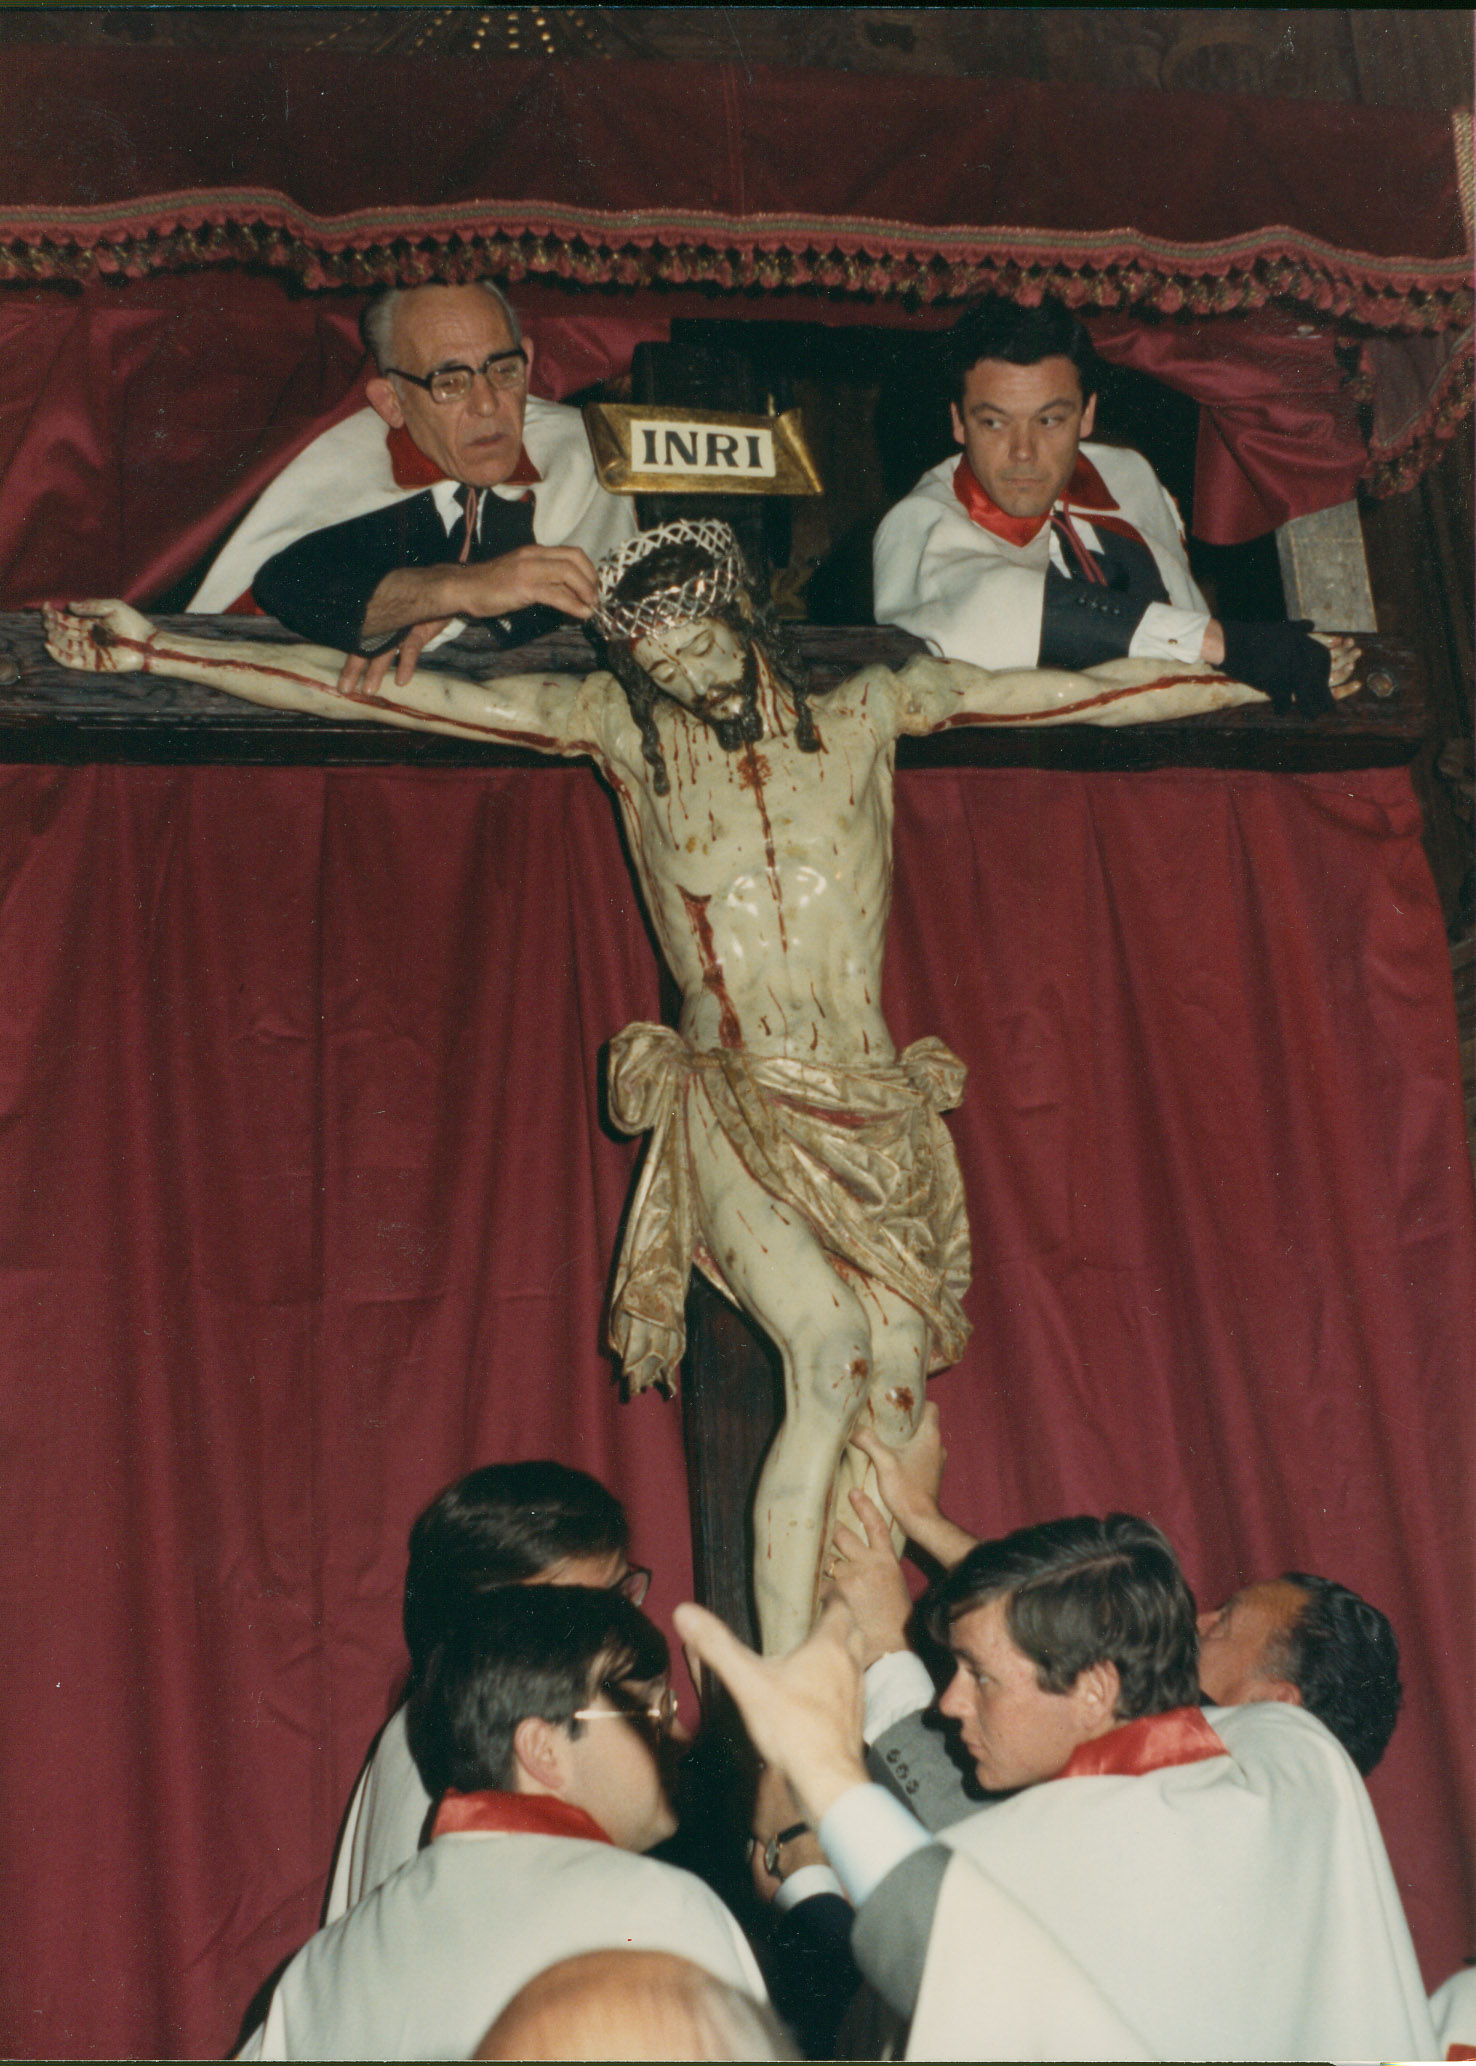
x,y
505,372
633,1584
661,1712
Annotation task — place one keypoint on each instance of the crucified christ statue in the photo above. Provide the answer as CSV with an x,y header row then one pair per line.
x,y
795,1157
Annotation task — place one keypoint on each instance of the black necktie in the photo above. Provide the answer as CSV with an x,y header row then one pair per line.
x,y
1081,565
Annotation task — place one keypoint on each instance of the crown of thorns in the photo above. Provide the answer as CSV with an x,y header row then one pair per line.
x,y
698,597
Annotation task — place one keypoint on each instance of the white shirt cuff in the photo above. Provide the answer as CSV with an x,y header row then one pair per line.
x,y
1166,632
866,1834
804,1884
897,1685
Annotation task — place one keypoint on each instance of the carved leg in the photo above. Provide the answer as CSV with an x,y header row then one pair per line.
x,y
894,1404
782,1278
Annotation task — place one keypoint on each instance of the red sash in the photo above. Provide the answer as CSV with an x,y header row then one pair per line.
x,y
1182,1736
1086,495
513,1814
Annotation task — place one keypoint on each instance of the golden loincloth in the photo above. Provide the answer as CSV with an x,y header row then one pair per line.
x,y
861,1153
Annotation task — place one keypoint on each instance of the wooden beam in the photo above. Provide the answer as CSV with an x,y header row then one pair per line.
x,y
49,713
732,1404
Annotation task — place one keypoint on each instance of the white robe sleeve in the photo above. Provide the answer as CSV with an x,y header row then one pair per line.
x,y
1453,2011
997,1986
382,1829
897,1685
938,576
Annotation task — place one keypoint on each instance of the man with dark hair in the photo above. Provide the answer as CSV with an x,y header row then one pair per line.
x,y
1102,1614
796,1157
1312,1642
1160,1886
1301,1640
540,1726
1037,549
530,1523
454,495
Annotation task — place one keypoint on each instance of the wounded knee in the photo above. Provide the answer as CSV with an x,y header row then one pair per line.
x,y
896,1409
835,1375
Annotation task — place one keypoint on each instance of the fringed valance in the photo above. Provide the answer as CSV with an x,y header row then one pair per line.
x,y
889,260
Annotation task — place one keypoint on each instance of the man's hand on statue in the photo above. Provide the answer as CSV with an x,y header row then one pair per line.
x,y
775,1810
1212,646
361,677
99,637
908,1478
909,1475
1346,654
863,1570
803,1712
562,576
1298,669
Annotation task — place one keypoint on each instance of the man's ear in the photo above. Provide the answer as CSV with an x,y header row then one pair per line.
x,y
385,401
1096,1692
1088,416
528,349
538,1756
958,423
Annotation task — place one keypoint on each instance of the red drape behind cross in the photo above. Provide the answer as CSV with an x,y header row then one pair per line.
x,y
138,423
307,1206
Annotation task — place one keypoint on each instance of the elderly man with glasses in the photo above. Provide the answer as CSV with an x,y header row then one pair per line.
x,y
542,1731
455,496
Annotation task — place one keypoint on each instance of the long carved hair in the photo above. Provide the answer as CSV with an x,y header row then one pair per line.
x,y
751,616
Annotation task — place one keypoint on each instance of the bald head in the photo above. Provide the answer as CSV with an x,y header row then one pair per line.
x,y
632,2005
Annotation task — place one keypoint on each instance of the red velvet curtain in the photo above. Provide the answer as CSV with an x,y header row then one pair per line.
x,y
306,1206
152,158
138,423
756,187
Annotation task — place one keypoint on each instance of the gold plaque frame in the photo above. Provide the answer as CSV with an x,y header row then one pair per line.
x,y
698,451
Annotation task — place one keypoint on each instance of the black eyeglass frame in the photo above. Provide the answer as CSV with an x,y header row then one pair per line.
x,y
428,380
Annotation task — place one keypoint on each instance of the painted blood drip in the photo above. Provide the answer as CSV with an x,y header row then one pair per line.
x,y
730,1033
153,651
1068,710
752,774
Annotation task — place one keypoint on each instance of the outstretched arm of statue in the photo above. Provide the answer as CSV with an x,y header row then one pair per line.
x,y
935,695
547,712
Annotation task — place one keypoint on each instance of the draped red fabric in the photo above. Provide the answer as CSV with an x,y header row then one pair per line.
x,y
137,424
759,186
1279,432
307,1206
136,142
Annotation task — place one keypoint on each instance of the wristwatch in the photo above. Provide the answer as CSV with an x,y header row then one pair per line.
x,y
776,1844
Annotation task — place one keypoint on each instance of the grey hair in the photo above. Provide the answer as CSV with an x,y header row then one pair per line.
x,y
377,319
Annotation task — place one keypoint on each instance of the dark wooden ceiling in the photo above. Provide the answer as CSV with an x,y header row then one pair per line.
x,y
1392,57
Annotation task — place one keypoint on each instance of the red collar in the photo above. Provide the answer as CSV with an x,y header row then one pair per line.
x,y
1182,1736
513,1814
1085,491
413,470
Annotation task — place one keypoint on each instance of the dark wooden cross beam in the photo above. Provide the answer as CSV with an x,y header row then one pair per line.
x,y
48,713
732,1387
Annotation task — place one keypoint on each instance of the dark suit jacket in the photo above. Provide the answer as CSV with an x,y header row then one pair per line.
x,y
320,586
